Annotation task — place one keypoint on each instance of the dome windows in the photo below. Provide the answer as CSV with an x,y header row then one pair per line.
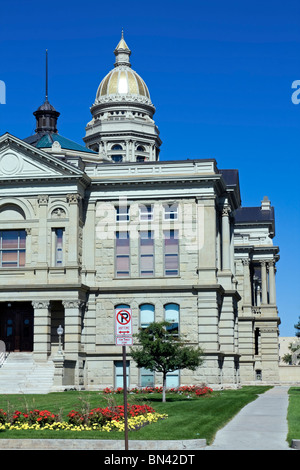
x,y
117,158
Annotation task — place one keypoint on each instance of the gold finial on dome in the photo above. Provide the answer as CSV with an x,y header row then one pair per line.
x,y
122,44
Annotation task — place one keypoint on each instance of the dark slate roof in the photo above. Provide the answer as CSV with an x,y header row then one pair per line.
x,y
45,140
231,177
254,215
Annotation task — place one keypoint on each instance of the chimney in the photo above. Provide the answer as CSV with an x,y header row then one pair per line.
x,y
265,204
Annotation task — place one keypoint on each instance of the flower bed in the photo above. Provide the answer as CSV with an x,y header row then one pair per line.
x,y
102,419
194,390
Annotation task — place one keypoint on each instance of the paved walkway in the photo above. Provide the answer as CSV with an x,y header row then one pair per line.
x,y
261,425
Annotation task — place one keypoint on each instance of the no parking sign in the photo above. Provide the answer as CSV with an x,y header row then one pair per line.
x,y
123,321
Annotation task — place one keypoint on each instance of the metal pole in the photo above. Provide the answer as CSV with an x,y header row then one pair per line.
x,y
125,396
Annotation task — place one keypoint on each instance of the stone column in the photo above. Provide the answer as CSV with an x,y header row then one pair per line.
x,y
73,327
247,282
271,266
225,238
42,329
264,290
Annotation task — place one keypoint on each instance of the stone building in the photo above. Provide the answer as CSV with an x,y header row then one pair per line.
x,y
87,229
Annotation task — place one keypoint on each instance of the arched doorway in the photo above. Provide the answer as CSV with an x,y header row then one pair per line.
x,y
16,326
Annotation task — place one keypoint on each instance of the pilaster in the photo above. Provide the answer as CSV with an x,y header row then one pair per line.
x,y
73,328
42,329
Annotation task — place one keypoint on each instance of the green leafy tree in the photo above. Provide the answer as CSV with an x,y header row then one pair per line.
x,y
297,326
159,350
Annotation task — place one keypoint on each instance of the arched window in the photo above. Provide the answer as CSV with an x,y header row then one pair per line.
x,y
116,158
172,316
140,148
122,306
117,147
146,315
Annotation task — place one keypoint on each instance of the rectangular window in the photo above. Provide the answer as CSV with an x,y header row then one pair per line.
x,y
170,211
122,213
12,248
146,212
146,253
119,373
146,377
58,256
122,259
172,379
171,252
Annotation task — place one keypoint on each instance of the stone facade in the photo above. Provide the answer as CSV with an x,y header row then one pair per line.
x,y
72,225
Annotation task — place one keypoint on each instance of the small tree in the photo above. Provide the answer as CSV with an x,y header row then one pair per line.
x,y
159,350
297,326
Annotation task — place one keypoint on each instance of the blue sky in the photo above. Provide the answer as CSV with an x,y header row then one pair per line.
x,y
219,73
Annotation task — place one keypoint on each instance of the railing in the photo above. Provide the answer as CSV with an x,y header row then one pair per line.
x,y
3,353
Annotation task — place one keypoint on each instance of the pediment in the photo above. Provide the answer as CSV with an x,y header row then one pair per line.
x,y
19,160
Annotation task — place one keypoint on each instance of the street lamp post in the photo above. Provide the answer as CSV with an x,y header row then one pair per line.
x,y
60,331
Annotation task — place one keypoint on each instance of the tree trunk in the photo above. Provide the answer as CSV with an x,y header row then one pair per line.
x,y
164,387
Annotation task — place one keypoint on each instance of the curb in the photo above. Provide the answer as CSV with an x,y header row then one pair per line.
x,y
94,444
295,444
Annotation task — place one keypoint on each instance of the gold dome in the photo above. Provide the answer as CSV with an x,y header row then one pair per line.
x,y
123,81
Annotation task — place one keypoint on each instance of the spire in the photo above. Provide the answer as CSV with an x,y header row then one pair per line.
x,y
46,97
46,115
122,52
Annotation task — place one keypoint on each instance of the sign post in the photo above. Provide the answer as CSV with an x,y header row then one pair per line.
x,y
125,397
123,329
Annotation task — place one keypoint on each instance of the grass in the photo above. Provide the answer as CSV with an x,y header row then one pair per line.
x,y
294,414
188,418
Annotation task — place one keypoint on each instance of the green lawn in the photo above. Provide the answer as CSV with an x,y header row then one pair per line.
x,y
294,414
197,418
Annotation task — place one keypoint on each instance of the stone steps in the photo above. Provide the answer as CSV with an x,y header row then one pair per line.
x,y
21,374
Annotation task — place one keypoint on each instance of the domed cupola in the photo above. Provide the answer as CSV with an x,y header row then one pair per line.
x,y
122,82
122,127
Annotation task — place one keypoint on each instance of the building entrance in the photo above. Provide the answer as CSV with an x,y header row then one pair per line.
x,y
16,326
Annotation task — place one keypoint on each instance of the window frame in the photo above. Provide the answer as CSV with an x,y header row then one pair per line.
x,y
146,255
177,314
144,324
124,215
168,211
17,250
122,255
171,272
55,246
148,213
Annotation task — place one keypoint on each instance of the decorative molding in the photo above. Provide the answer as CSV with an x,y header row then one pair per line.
x,y
43,200
73,198
38,304
73,304
58,213
246,261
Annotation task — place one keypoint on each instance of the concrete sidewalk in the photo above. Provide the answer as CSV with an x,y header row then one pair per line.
x,y
260,425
